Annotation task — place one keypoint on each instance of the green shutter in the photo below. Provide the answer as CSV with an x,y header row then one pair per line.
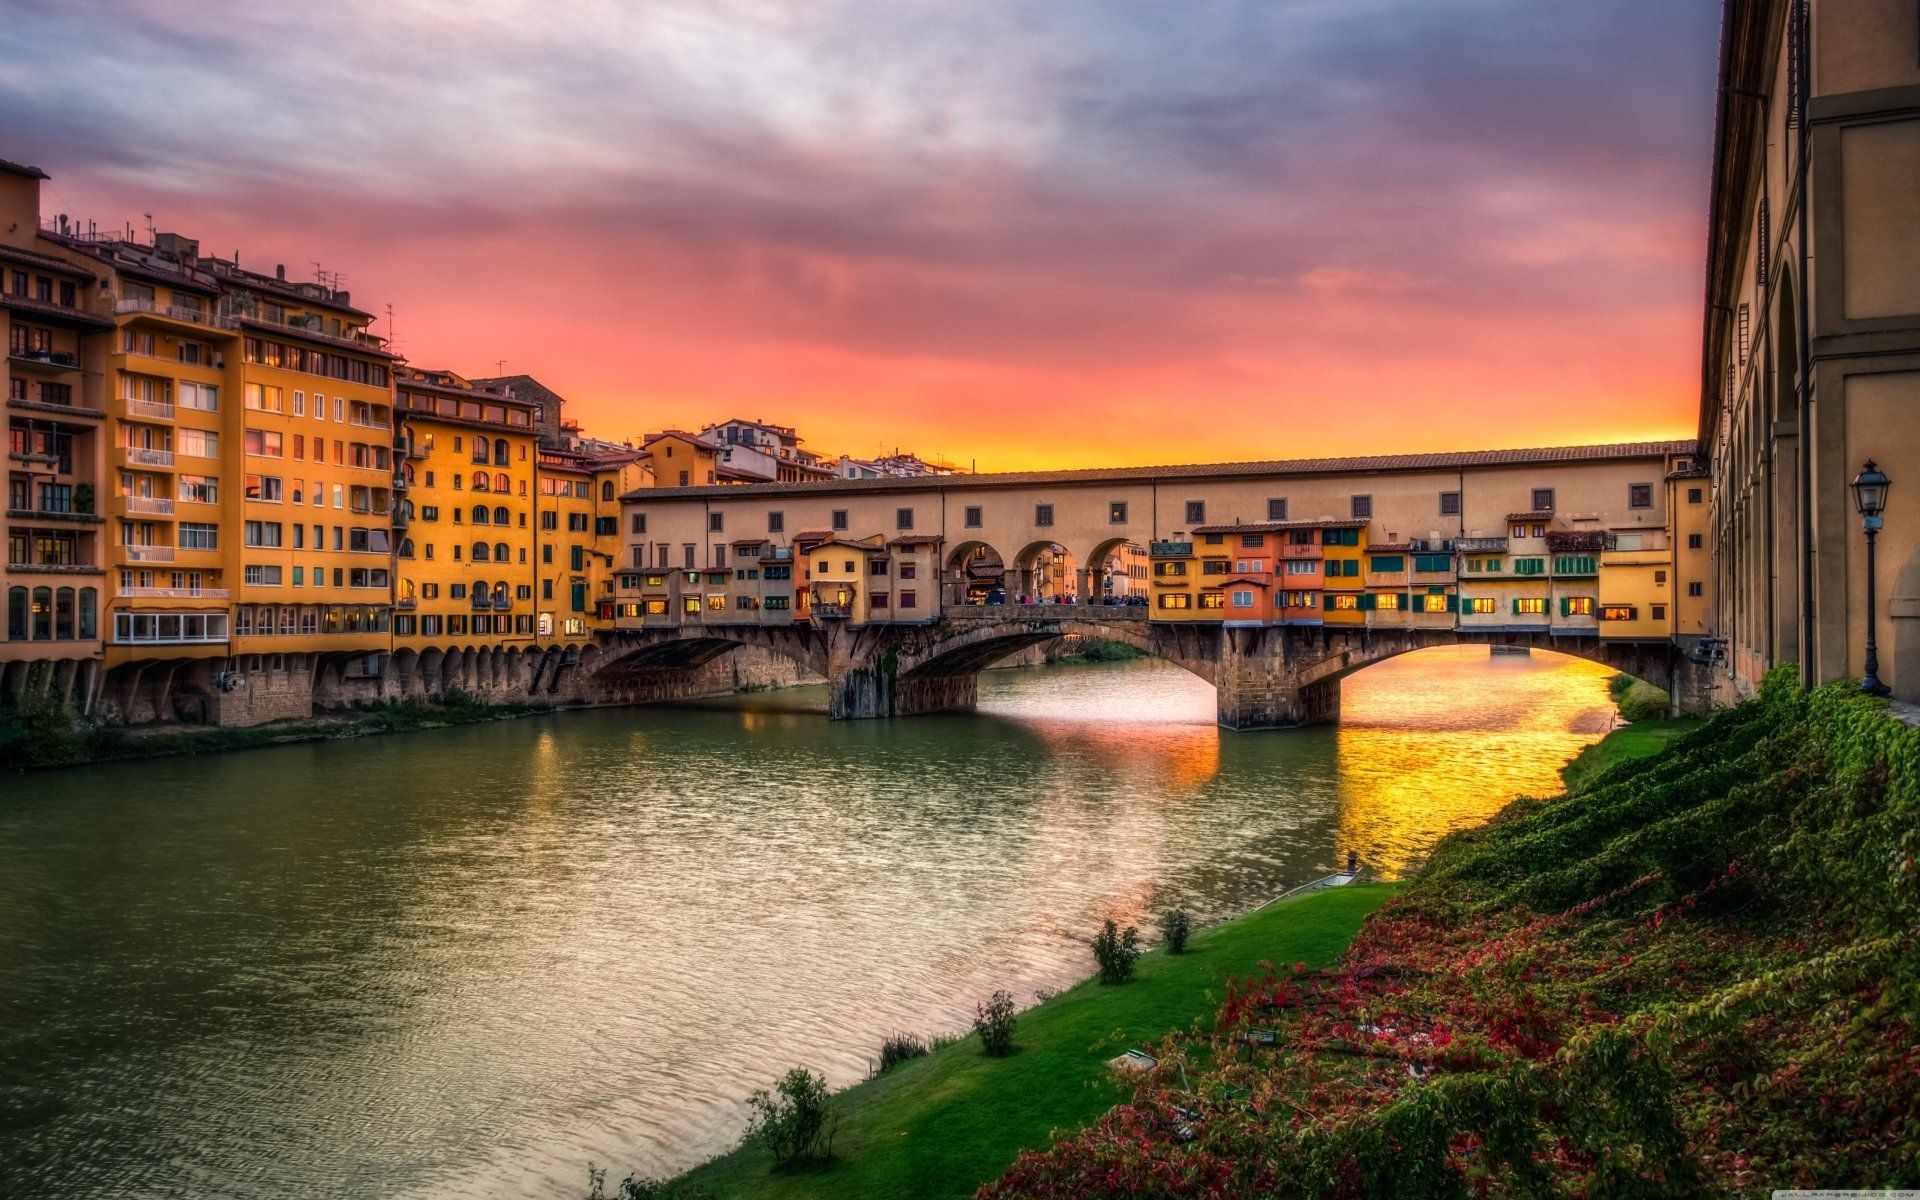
x,y
1366,602
1566,606
1516,608
1453,602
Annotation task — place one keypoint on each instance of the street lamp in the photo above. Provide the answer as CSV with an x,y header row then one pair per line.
x,y
1870,497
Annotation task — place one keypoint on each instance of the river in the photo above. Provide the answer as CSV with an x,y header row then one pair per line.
x,y
464,962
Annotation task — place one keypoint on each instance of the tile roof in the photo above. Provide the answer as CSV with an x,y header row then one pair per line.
x,y
34,258
1538,514
1445,461
14,168
1390,547
1277,526
918,539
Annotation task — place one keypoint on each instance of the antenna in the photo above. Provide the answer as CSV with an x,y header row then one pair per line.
x,y
153,234
499,366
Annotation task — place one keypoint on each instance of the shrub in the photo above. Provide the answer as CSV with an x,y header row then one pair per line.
x,y
1175,928
1643,702
37,732
898,1049
796,1119
1116,950
994,1022
1618,685
635,1188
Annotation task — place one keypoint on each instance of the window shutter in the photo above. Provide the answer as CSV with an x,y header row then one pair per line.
x,y
1366,602
1566,606
1453,603
1516,608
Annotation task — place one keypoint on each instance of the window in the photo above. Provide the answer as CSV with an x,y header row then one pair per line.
x,y
1276,508
202,396
1575,564
716,522
264,487
1345,602
909,599
195,536
1196,512
1387,601
1387,564
1299,600
1639,495
776,523
259,576
199,489
264,443
1618,612
972,518
903,518
1534,605
1695,495
1479,604
1043,514
1361,508
1543,499
1166,569
839,518
1449,504
1302,566
263,533
1658,611
262,398
1435,602
1660,577
1529,566
1117,512
1696,588
1576,606
1434,563
1175,599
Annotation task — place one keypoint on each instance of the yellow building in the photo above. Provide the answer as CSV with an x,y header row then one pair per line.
x,y
1176,583
678,459
565,508
466,556
1344,549
840,578
1635,588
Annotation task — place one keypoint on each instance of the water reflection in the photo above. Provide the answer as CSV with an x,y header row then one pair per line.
x,y
464,962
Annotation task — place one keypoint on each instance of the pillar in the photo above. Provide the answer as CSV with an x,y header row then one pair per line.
x,y
874,691
1257,687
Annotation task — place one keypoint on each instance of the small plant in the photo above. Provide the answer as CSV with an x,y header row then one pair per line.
x,y
1116,950
83,498
796,1119
994,1022
1175,928
635,1188
898,1049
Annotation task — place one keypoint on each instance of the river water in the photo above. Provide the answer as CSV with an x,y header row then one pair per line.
x,y
464,962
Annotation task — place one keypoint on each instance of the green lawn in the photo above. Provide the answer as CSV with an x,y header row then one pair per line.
x,y
1642,739
944,1124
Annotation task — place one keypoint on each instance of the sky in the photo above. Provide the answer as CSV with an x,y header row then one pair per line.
x,y
1020,235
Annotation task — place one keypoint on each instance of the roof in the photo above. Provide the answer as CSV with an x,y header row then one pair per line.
x,y
34,259
1255,580
1538,514
1745,79
812,535
847,542
1391,547
1446,461
14,168
759,541
682,434
917,539
1277,526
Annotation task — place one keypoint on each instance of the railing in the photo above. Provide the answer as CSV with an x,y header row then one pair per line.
x,y
406,603
1169,549
51,358
144,554
148,458
176,312
150,408
1048,612
158,593
149,504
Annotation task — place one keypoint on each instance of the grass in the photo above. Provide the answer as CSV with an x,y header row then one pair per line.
x,y
1642,739
944,1124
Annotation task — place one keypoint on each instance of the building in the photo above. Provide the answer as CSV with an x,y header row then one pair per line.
x,y
465,539
1811,352
55,522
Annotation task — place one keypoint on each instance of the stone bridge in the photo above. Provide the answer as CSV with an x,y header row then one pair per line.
x,y
1266,676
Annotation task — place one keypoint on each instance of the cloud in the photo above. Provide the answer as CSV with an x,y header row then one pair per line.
x,y
1183,210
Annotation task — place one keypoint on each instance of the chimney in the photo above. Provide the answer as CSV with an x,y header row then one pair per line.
x,y
280,272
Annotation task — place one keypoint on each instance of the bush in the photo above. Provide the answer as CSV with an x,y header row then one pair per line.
x,y
1618,685
994,1022
1644,702
36,733
1175,928
796,1119
635,1188
898,1049
1116,950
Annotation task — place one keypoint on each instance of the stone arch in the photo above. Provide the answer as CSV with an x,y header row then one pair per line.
x,y
1099,566
1903,611
971,572
971,648
1044,569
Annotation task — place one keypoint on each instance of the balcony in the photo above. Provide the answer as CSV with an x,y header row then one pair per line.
x,y
152,410
175,312
67,514
56,361
1481,545
406,603
157,505
1170,549
141,456
148,554
159,593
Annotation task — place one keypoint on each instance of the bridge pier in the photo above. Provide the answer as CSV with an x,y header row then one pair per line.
x,y
1259,688
872,691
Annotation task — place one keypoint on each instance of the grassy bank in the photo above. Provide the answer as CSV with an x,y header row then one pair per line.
x,y
1696,974
47,736
1642,739
1098,650
942,1125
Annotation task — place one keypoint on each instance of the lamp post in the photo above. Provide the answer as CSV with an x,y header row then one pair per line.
x,y
1870,497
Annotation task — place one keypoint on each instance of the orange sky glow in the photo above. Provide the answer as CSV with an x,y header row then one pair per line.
x,y
1006,235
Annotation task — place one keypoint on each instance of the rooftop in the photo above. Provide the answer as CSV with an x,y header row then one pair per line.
x,y
1366,464
1277,526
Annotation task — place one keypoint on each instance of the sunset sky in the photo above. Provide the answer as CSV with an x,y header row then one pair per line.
x,y
1045,233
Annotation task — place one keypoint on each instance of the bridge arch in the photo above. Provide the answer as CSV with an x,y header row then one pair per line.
x,y
972,570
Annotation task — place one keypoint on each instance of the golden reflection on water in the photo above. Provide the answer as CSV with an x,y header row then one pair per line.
x,y
1440,740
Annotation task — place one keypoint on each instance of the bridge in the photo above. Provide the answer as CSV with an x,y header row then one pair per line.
x,y
1265,676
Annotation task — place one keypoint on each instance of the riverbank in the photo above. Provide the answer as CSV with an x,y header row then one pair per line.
x,y
943,1124
1642,739
1694,974
34,738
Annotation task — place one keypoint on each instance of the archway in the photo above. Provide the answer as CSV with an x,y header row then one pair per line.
x,y
974,574
1116,573
1045,573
